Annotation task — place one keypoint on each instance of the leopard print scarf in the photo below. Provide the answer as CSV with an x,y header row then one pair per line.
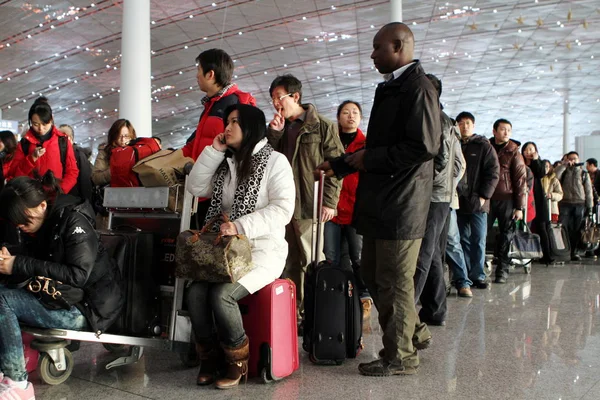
x,y
246,192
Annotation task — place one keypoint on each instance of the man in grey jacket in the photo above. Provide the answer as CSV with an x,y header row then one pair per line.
x,y
430,287
578,199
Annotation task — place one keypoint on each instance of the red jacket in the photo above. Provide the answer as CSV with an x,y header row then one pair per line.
x,y
345,208
211,121
23,164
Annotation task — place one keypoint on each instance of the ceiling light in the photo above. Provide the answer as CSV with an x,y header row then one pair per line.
x,y
306,39
558,23
414,23
304,18
281,48
191,16
285,65
214,4
76,17
153,22
333,7
372,26
185,47
205,38
443,40
239,33
495,11
92,5
28,36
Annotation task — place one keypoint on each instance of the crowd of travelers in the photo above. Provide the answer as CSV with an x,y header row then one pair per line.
x,y
415,191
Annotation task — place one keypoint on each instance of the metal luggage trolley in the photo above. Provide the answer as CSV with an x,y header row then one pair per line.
x,y
164,204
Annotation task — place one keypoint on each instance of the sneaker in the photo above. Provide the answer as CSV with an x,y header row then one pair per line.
x,y
10,391
383,368
465,292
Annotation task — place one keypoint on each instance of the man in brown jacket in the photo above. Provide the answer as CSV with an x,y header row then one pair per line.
x,y
307,139
508,201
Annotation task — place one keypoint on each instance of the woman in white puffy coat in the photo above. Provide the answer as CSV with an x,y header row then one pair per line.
x,y
254,186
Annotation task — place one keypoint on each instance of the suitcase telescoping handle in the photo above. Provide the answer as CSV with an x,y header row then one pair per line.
x,y
315,254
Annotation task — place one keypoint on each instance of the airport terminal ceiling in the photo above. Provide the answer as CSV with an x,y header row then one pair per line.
x,y
514,59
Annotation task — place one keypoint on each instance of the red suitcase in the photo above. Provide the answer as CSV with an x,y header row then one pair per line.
x,y
269,317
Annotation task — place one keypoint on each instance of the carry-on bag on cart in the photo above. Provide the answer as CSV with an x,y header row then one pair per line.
x,y
558,239
333,311
133,251
269,317
164,168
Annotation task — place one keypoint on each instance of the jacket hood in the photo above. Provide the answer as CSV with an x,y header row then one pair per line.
x,y
245,98
65,201
475,138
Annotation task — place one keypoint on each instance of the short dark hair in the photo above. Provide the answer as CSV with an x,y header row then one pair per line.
x,y
345,103
592,161
571,153
436,82
218,61
501,121
253,124
24,192
290,83
70,127
42,109
10,143
465,115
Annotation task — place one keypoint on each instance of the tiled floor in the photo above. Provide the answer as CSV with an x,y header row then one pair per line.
x,y
536,337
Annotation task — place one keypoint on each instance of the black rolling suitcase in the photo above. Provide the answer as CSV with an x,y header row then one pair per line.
x,y
133,252
333,311
558,239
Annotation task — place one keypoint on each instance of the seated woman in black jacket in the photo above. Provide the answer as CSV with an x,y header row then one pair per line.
x,y
61,244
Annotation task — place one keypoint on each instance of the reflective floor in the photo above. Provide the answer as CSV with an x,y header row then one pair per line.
x,y
537,337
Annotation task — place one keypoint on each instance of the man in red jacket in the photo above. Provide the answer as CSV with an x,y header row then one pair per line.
x,y
215,71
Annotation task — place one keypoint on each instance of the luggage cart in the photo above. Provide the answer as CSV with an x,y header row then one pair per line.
x,y
55,363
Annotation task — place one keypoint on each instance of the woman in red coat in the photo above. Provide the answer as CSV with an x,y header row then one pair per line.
x,y
45,148
339,230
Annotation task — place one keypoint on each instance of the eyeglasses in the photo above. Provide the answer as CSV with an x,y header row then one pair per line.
x,y
274,99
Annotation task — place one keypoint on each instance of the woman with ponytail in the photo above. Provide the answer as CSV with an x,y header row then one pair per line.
x,y
45,148
62,246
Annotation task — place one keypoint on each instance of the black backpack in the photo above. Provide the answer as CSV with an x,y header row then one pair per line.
x,y
62,147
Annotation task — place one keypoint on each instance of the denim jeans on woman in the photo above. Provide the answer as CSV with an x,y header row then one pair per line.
x,y
335,235
18,305
211,304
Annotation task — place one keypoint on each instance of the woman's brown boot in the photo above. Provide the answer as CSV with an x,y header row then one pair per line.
x,y
208,355
237,360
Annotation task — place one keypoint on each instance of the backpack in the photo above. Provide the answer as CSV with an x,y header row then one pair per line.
x,y
122,160
62,147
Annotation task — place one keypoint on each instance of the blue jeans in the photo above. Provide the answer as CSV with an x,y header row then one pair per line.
x,y
473,232
335,234
455,256
18,305
214,305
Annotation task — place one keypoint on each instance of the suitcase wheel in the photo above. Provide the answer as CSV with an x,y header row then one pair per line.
x,y
339,362
264,376
341,337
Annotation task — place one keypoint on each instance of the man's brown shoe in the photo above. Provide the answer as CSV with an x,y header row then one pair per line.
x,y
465,292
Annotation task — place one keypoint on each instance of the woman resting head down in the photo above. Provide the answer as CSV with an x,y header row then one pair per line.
x,y
254,186
59,243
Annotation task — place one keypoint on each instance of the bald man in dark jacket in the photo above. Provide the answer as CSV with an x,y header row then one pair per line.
x,y
393,195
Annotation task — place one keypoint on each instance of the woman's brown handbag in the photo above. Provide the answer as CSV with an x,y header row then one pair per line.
x,y
212,257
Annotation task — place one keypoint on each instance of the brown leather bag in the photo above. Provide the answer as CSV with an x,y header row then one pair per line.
x,y
212,257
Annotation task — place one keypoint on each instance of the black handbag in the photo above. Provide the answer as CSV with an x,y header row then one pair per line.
x,y
53,294
525,245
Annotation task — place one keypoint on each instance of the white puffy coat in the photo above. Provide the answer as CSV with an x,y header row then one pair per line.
x,y
265,227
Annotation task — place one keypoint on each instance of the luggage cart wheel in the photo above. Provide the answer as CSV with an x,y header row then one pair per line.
x,y
527,269
49,372
264,376
114,348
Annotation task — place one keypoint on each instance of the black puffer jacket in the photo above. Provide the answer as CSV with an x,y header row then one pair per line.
x,y
68,249
393,194
481,178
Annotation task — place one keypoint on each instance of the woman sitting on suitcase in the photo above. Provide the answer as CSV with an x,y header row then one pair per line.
x,y
254,186
64,254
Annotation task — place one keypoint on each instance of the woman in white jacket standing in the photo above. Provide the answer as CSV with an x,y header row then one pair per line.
x,y
254,185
